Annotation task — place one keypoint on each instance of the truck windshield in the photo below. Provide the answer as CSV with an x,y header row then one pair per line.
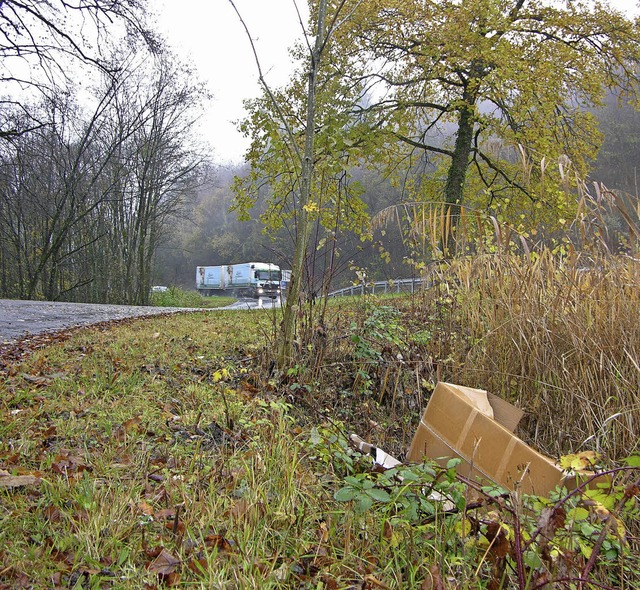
x,y
268,275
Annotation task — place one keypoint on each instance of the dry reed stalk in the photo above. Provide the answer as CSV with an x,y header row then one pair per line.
x,y
560,340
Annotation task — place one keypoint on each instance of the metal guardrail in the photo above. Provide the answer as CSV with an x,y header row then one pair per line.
x,y
390,286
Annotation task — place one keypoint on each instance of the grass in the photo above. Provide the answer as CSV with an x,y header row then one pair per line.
x,y
176,297
166,452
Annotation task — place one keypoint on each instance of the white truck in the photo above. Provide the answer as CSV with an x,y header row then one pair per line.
x,y
247,279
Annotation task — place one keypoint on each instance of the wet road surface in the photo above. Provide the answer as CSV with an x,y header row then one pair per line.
x,y
22,318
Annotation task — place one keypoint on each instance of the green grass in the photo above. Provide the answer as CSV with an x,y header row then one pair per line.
x,y
169,454
176,297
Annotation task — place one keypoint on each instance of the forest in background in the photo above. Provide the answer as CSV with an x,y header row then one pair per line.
x,y
207,231
532,294
98,147
106,187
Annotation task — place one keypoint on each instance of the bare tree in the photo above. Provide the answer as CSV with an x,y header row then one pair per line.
x,y
157,165
84,199
49,189
41,40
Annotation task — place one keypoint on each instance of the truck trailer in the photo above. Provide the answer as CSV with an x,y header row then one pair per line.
x,y
247,279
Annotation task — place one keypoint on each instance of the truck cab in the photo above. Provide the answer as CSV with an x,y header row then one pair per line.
x,y
267,282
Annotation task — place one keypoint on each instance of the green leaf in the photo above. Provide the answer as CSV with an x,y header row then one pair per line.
x,y
588,530
494,491
379,495
345,494
409,475
611,554
364,503
315,437
633,461
532,560
430,471
453,463
354,481
578,513
585,549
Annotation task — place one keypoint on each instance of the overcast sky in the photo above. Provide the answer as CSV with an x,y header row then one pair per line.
x,y
208,34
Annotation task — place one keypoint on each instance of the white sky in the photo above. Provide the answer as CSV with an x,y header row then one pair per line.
x,y
208,34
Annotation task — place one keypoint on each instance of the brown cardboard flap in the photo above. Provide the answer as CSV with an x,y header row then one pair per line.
x,y
505,413
478,399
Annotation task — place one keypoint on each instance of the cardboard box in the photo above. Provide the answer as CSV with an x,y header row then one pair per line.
x,y
478,428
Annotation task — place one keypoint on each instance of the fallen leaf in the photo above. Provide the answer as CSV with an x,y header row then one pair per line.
x,y
145,508
323,533
164,564
329,583
579,461
52,513
497,535
38,381
305,568
8,482
218,542
165,514
66,463
631,491
388,530
131,425
238,509
245,385
49,432
198,566
153,552
551,519
171,580
176,527
373,581
602,512
433,581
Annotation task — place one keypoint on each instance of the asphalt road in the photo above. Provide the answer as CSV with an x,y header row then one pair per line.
x,y
23,318
26,318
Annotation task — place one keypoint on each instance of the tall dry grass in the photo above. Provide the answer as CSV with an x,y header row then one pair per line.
x,y
558,337
552,325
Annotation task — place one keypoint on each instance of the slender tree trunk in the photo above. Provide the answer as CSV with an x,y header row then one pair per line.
x,y
292,305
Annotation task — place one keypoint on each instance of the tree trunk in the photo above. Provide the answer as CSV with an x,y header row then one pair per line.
x,y
292,305
454,187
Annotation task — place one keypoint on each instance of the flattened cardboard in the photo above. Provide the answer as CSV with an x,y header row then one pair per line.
x,y
453,426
